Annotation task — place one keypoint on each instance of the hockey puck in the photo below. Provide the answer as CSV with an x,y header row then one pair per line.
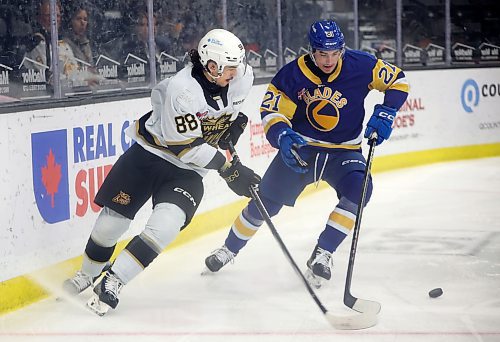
x,y
436,292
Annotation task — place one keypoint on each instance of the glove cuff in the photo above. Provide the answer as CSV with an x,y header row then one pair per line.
x,y
217,161
274,131
387,108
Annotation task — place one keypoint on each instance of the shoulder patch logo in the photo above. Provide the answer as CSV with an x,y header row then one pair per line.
x,y
201,116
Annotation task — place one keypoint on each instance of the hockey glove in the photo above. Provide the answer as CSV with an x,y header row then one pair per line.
x,y
290,142
239,178
232,134
381,123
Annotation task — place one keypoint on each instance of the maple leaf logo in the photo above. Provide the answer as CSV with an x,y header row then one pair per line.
x,y
51,176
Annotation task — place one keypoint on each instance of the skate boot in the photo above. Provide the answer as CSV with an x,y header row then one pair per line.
x,y
106,294
219,258
81,281
319,267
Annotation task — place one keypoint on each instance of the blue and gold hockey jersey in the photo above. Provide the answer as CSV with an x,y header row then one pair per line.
x,y
328,110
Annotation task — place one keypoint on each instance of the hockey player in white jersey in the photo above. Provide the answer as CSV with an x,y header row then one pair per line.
x,y
194,112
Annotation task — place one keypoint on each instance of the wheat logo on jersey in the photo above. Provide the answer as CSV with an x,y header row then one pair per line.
x,y
50,174
213,128
322,107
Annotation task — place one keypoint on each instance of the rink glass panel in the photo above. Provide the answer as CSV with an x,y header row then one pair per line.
x,y
421,35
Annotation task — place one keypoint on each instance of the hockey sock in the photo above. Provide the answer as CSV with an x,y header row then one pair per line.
x,y
247,223
133,259
243,228
95,258
340,223
163,226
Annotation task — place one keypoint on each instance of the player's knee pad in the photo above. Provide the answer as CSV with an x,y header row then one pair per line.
x,y
351,185
163,225
109,227
272,208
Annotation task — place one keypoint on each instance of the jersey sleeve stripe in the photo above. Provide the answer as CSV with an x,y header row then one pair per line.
x,y
176,148
384,75
276,101
271,119
401,84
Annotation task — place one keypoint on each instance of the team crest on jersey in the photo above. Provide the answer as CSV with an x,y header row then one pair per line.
x,y
213,128
301,93
322,107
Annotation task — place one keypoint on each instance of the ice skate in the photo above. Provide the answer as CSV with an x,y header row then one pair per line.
x,y
105,294
81,281
219,258
319,267
96,306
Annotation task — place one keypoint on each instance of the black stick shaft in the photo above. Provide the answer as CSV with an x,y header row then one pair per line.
x,y
267,218
350,300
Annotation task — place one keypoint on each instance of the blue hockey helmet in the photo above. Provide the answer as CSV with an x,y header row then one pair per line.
x,y
325,35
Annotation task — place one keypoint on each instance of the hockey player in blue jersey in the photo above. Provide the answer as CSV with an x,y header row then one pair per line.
x,y
313,111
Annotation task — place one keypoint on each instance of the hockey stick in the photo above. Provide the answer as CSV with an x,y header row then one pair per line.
x,y
358,304
347,322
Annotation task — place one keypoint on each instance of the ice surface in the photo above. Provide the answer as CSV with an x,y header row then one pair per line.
x,y
426,227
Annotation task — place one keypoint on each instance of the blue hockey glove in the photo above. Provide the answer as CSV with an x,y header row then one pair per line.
x,y
289,143
381,123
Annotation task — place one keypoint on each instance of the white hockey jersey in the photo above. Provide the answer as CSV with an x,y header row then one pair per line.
x,y
186,123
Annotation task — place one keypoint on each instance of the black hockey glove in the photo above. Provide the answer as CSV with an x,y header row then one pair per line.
x,y
234,131
239,178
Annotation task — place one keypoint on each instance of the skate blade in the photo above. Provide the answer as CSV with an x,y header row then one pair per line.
x,y
97,307
207,272
313,280
70,289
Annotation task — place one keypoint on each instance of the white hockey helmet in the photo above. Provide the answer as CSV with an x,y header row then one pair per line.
x,y
222,47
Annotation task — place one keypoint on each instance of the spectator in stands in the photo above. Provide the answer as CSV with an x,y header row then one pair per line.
x,y
38,47
3,39
14,29
76,35
136,42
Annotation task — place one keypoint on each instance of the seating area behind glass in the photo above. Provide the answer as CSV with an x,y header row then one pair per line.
x,y
111,47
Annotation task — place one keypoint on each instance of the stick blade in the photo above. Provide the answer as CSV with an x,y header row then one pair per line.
x,y
367,306
361,305
352,322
